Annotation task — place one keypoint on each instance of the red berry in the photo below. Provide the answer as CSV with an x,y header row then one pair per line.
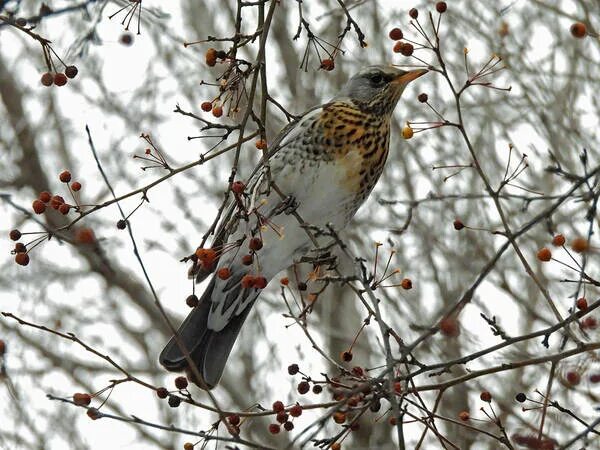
x,y
211,57
93,413
274,428
458,225
247,281
45,196
260,282
296,410
303,387
47,79
544,254
71,71
407,49
192,300
261,144
464,416
581,304
22,259
406,283
579,245
413,13
327,64
64,209
65,176
14,235
441,7
126,39
282,417
558,240
247,260
278,406
76,186
346,356
20,248
255,243
56,201
60,79
396,34
38,206
238,187
162,392
181,382
206,106
486,396
573,378
594,378
339,417
217,111
590,323
449,327
578,30
2,347
82,399
85,236
224,273
285,281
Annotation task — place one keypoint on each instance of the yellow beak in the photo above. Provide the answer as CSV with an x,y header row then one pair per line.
x,y
409,76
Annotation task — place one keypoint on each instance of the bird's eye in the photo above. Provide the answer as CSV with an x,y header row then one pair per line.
x,y
377,78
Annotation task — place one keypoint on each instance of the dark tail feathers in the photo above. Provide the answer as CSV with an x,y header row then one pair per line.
x,y
207,348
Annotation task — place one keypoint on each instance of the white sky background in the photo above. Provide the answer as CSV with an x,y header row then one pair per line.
x,y
122,68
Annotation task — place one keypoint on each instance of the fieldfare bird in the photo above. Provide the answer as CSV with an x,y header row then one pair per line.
x,y
322,167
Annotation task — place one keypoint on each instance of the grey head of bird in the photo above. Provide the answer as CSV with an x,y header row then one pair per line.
x,y
377,89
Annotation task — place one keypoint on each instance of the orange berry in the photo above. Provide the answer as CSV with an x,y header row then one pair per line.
x,y
396,34
423,97
579,30
464,416
558,240
206,106
47,79
82,399
45,196
336,446
38,206
581,304
22,259
65,176
284,281
60,79
261,144
224,273
449,327
217,111
328,64
544,254
579,245
76,186
188,446
406,283
211,57
85,236
407,132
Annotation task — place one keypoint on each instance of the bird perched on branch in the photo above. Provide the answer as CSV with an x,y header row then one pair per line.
x,y
320,170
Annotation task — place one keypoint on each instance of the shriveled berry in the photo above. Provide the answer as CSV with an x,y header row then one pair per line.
x,y
336,446
211,57
274,428
82,399
238,187
579,30
346,356
520,397
458,225
247,281
406,283
247,260
423,97
93,413
358,371
206,106
573,378
255,244
449,327
293,369
407,49
162,392
303,387
188,446
579,245
260,282
47,79
126,39
296,410
581,304
278,406
261,144
192,300
234,419
544,254
327,64
289,426
224,273
302,286
38,206
65,176
339,417
396,34
282,417
14,235
45,196
76,186
558,240
485,396
413,13
397,47
71,71
85,236
217,111
181,382
589,323
464,416
174,401
317,389
407,132
20,247
121,224
441,7
56,201
64,209
22,259
60,79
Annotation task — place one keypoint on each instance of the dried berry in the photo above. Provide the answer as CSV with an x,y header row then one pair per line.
x,y
20,247
71,71
121,224
14,235
238,187
206,106
544,254
255,244
327,64
192,301
93,413
2,347
293,369
520,397
76,186
289,426
317,389
60,79
579,245
302,286
224,273
211,57
413,13
278,406
558,240
464,416
45,196
47,79
181,382
458,225
234,419
296,410
82,399
303,387
126,39
441,7
38,206
579,30
21,21
162,392
282,417
65,176
22,259
247,260
174,401
485,396
396,34
346,356
423,97
581,304
406,283
407,132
